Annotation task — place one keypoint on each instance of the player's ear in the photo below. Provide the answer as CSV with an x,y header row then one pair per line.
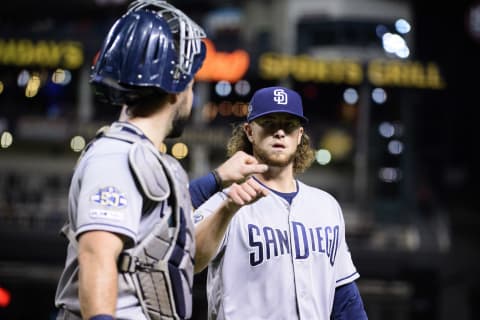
x,y
247,128
300,134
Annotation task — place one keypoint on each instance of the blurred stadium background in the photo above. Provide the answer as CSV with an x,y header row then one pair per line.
x,y
390,87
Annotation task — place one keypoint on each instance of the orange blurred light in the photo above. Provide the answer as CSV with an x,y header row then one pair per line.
x,y
226,66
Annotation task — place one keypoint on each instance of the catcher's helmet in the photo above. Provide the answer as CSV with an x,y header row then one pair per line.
x,y
153,45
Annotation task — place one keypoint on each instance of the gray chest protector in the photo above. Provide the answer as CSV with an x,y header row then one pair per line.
x,y
161,265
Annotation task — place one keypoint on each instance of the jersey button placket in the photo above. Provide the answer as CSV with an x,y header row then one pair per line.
x,y
298,259
298,291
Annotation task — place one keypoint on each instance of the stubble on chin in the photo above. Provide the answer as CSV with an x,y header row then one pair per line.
x,y
273,159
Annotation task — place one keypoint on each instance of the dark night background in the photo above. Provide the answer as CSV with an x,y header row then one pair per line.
x,y
447,123
446,160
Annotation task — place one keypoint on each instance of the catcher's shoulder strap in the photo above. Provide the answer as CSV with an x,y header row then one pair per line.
x,y
144,161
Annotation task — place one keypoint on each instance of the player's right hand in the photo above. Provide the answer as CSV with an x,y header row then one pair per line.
x,y
238,167
244,193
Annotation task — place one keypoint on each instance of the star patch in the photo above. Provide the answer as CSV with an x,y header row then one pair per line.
x,y
109,197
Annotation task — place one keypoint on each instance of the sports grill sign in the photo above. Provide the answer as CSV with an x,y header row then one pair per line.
x,y
391,72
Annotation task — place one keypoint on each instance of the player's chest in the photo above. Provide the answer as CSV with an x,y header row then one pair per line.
x,y
279,232
278,214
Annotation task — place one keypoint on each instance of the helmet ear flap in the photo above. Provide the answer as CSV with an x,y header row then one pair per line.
x,y
141,51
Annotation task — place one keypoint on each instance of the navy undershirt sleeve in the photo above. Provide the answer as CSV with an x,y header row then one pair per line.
x,y
348,304
203,188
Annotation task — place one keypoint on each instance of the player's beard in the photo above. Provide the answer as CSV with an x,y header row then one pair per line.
x,y
180,120
273,159
178,125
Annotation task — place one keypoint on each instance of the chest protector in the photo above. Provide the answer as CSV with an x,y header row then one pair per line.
x,y
160,267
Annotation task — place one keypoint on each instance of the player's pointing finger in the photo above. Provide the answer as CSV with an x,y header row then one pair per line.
x,y
257,188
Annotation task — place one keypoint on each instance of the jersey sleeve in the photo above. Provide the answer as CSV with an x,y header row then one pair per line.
x,y
208,208
348,304
109,199
201,189
345,271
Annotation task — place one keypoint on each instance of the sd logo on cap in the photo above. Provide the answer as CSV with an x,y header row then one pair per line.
x,y
273,100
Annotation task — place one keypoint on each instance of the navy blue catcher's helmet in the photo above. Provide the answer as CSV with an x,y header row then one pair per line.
x,y
153,45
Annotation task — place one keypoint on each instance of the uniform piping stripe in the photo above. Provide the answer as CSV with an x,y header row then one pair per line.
x,y
345,278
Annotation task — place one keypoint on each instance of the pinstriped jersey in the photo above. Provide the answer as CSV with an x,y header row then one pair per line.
x,y
279,261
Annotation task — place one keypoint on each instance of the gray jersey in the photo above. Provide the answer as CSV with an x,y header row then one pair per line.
x,y
104,196
279,261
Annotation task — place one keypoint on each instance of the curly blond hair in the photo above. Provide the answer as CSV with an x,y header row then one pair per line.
x,y
303,157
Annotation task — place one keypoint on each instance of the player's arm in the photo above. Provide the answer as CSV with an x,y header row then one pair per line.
x,y
235,169
98,277
348,304
210,231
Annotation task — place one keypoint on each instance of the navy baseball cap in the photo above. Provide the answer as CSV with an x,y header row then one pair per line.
x,y
273,100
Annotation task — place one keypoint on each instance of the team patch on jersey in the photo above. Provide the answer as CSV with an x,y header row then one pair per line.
x,y
109,197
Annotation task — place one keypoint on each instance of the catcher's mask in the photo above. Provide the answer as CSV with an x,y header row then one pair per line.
x,y
152,46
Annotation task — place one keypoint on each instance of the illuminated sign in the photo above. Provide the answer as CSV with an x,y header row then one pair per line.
x,y
42,53
397,73
228,66
305,68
